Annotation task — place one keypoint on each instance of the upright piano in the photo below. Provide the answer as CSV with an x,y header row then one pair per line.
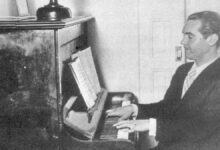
x,y
89,128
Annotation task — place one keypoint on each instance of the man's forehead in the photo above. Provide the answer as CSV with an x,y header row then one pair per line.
x,y
192,26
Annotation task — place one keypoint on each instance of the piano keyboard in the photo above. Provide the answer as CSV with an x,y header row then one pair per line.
x,y
110,132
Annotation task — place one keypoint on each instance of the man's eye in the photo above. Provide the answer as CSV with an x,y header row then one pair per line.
x,y
190,36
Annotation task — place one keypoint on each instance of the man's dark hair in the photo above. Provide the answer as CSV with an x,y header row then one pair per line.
x,y
210,23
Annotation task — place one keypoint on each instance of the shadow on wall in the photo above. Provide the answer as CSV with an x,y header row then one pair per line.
x,y
93,41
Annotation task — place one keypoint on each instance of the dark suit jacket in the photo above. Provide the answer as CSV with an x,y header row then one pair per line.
x,y
191,122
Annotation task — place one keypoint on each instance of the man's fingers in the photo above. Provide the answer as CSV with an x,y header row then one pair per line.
x,y
125,130
124,117
127,126
123,126
120,122
109,111
114,112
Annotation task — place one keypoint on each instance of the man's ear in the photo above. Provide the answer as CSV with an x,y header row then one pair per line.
x,y
212,39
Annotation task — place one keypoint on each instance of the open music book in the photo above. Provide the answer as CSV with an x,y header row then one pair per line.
x,y
84,72
89,67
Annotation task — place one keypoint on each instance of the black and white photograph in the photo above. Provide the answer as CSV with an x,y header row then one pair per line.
x,y
109,75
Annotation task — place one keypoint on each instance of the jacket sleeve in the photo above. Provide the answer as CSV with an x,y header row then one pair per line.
x,y
202,129
166,107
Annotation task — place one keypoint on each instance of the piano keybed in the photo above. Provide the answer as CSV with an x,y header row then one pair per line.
x,y
108,131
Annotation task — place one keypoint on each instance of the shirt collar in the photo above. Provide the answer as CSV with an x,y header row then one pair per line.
x,y
199,69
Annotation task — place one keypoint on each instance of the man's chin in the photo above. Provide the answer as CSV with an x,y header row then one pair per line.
x,y
189,57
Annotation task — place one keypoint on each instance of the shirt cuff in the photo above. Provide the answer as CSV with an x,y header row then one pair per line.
x,y
152,126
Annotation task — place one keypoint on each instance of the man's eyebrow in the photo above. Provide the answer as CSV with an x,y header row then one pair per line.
x,y
188,33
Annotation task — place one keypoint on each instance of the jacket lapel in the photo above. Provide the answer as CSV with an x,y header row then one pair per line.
x,y
203,80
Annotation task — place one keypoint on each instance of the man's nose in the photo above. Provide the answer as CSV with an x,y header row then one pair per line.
x,y
183,41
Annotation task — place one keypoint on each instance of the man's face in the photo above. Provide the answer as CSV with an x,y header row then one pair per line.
x,y
196,47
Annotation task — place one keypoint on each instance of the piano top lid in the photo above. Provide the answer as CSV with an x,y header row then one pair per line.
x,y
20,23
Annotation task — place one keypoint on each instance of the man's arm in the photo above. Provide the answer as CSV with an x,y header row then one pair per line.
x,y
166,107
161,109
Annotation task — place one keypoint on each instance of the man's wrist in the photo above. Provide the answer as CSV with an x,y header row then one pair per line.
x,y
135,110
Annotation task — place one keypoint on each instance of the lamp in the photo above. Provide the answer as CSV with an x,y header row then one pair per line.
x,y
53,12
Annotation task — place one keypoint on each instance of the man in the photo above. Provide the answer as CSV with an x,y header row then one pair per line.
x,y
188,118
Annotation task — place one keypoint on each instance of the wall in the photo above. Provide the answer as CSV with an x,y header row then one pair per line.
x,y
114,39
195,5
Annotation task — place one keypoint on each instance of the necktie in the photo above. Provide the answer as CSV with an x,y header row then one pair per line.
x,y
189,80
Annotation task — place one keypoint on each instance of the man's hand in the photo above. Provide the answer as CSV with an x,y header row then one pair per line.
x,y
133,125
122,112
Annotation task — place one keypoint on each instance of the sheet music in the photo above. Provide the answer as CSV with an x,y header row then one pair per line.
x,y
83,82
86,59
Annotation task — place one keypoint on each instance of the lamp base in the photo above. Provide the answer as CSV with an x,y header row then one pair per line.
x,y
53,12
